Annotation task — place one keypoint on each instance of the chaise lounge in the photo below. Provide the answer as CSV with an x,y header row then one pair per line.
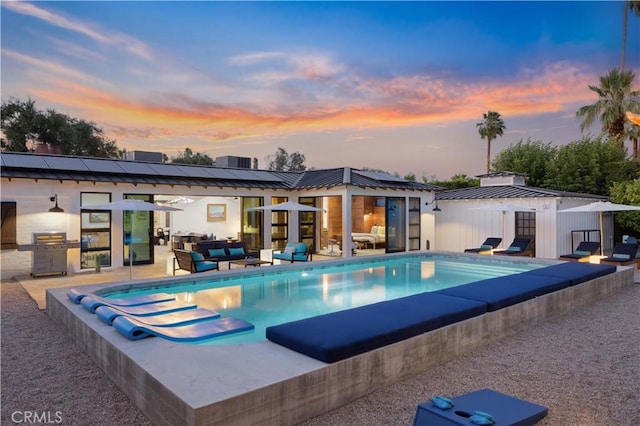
x,y
519,247
486,247
623,254
582,253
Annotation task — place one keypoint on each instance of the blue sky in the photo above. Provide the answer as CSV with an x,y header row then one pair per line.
x,y
397,86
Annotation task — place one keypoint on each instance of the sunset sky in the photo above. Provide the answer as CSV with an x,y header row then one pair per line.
x,y
386,85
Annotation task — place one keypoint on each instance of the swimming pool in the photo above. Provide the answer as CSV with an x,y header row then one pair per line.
x,y
266,298
266,383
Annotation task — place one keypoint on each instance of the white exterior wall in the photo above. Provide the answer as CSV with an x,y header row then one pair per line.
x,y
33,214
459,227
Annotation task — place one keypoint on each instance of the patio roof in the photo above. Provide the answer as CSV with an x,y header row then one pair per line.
x,y
508,191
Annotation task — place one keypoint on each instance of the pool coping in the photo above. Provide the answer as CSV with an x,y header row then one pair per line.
x,y
264,383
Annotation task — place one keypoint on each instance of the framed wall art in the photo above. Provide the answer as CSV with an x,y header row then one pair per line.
x,y
216,212
96,217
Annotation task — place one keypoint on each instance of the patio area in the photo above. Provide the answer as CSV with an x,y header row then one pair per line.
x,y
36,287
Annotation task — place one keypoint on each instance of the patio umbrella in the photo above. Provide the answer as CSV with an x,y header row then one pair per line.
x,y
131,205
600,207
504,208
288,206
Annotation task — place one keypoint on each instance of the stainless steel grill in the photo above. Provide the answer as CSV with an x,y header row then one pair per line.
x,y
49,252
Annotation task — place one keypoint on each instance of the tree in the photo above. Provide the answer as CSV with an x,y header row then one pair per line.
x,y
615,97
26,128
489,128
530,157
590,166
457,181
188,157
627,193
628,6
283,161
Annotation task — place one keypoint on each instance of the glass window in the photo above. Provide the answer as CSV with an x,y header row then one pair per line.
x,y
279,225
414,223
252,222
395,224
95,231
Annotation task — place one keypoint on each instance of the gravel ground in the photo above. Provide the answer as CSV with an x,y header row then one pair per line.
x,y
585,367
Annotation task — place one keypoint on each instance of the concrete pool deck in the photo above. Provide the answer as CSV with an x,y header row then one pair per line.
x,y
266,383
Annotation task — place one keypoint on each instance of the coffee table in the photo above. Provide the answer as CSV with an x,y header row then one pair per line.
x,y
250,262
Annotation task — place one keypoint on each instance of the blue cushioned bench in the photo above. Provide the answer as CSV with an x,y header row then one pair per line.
x,y
501,292
347,333
343,334
577,273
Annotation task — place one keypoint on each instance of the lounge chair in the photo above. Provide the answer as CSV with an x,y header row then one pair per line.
x,y
582,252
486,247
623,254
519,247
294,252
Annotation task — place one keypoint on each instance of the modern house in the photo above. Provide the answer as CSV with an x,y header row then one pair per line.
x,y
470,215
44,195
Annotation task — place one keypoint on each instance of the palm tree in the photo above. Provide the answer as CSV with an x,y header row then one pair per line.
x,y
615,98
490,127
627,6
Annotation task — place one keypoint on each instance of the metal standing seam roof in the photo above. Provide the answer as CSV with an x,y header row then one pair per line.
x,y
508,191
59,167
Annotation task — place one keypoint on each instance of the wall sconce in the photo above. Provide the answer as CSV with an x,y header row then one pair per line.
x,y
436,208
55,209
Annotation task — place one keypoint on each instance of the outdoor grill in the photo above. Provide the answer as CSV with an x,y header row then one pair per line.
x,y
49,252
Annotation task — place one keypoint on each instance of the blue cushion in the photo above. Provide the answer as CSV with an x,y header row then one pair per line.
x,y
621,256
486,246
206,265
217,252
196,256
339,335
235,251
501,292
575,272
514,248
582,252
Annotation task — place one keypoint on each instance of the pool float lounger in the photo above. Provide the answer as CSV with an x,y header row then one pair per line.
x,y
76,297
108,313
136,330
91,304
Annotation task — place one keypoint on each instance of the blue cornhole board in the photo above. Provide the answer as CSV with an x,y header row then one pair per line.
x,y
505,409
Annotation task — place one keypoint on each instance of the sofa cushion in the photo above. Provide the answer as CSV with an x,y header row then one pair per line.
x,y
206,265
219,252
339,335
196,256
236,251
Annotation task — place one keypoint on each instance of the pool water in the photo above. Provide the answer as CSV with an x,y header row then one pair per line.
x,y
268,299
